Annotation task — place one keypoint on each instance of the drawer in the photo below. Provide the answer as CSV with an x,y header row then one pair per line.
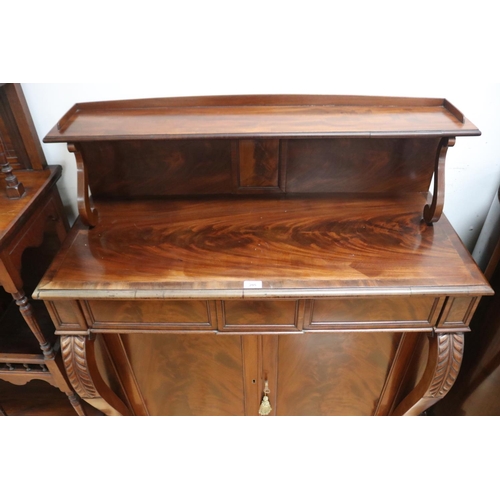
x,y
66,315
151,314
458,312
259,316
418,312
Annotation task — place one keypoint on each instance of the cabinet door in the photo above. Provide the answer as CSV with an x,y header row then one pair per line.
x,y
307,374
188,374
333,373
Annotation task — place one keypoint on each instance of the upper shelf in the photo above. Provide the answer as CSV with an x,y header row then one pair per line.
x,y
261,116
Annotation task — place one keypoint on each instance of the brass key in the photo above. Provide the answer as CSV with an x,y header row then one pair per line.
x,y
265,406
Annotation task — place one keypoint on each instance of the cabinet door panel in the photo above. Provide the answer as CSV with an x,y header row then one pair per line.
x,y
188,374
333,374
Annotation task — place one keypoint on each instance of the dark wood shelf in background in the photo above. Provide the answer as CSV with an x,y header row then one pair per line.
x,y
31,217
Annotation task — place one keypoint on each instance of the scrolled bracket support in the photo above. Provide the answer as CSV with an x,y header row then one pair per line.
x,y
86,208
432,212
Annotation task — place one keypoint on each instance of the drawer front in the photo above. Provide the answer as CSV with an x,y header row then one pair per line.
x,y
419,312
151,314
458,312
66,315
247,316
270,315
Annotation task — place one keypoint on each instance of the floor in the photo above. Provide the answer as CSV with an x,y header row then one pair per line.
x,y
36,398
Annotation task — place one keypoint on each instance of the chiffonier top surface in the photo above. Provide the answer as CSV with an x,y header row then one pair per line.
x,y
261,116
317,245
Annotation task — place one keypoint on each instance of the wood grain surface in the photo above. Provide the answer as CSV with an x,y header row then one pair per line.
x,y
360,165
148,169
188,374
333,374
258,163
173,313
205,247
382,312
260,116
134,169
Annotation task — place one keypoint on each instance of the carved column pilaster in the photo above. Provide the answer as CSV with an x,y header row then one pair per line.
x,y
74,353
450,350
81,368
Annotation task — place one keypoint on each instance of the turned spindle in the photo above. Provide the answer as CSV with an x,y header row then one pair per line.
x,y
14,188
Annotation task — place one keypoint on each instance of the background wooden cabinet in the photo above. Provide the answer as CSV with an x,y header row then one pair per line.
x,y
32,227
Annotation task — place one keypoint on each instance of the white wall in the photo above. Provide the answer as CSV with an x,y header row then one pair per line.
x,y
473,165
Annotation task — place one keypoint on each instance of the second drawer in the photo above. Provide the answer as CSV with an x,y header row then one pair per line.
x,y
416,312
260,315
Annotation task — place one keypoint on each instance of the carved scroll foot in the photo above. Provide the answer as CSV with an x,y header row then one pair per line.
x,y
81,368
445,357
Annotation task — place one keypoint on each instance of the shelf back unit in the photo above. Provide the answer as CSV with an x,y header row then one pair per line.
x,y
264,145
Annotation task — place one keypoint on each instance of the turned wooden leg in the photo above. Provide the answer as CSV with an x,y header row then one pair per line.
x,y
445,357
80,363
76,403
29,316
48,353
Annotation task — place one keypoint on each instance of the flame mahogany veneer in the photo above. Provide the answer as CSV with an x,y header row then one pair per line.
x,y
228,242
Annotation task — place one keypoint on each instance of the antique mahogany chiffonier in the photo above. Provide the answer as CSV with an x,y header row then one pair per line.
x,y
280,255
